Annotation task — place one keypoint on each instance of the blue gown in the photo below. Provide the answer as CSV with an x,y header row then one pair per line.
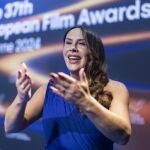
x,y
65,128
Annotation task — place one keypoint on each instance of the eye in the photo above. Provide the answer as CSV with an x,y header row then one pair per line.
x,y
68,42
82,43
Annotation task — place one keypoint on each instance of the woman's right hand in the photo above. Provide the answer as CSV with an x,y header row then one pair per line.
x,y
23,83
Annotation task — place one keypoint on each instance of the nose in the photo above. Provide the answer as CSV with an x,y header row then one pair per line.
x,y
74,48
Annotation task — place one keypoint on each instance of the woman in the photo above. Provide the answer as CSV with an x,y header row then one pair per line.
x,y
83,110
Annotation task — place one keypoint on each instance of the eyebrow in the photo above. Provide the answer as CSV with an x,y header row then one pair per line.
x,y
71,39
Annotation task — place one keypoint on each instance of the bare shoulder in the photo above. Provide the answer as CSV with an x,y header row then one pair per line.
x,y
119,92
39,95
42,89
116,87
120,101
35,105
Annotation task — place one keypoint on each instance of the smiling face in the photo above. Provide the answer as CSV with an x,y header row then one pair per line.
x,y
75,50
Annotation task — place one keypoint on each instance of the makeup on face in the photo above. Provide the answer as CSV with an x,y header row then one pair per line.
x,y
75,50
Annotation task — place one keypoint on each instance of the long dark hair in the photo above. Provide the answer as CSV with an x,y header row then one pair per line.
x,y
96,68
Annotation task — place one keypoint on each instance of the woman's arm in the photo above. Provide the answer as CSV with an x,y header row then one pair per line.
x,y
24,109
115,122
21,114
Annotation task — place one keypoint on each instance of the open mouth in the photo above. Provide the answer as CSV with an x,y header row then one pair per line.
x,y
74,58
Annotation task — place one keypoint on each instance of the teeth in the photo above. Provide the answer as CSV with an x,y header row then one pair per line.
x,y
74,57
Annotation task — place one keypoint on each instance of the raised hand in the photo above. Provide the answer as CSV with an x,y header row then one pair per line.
x,y
23,83
74,91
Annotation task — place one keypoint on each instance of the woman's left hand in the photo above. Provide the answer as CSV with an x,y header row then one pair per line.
x,y
72,90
